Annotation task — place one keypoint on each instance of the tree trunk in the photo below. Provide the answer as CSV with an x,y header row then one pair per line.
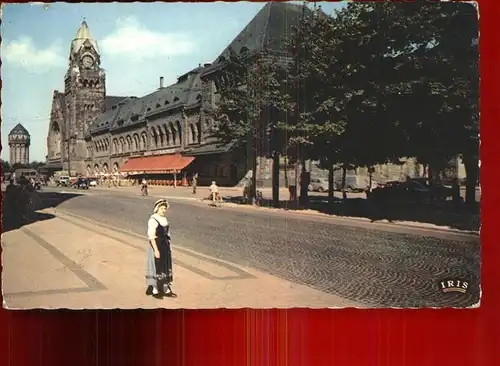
x,y
430,179
344,173
304,184
456,182
276,179
331,187
472,175
286,170
253,187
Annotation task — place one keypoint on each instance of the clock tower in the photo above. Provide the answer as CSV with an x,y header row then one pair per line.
x,y
84,94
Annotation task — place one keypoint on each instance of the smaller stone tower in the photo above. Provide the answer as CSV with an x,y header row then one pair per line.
x,y
19,144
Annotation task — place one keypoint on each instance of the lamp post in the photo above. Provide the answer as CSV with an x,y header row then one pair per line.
x,y
69,152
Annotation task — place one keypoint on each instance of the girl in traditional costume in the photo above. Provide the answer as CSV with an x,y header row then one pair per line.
x,y
159,265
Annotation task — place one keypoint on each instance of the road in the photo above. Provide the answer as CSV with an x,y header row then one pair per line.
x,y
377,265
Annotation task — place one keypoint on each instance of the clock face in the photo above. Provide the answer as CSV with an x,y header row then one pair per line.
x,y
87,61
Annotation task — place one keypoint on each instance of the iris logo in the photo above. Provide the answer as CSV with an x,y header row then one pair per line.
x,y
454,285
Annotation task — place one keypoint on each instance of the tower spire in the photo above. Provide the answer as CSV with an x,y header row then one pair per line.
x,y
82,35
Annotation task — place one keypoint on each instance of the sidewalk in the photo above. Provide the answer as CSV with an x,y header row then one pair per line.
x,y
67,262
187,192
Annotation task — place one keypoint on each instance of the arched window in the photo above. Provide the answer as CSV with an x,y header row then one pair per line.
x,y
179,131
161,136
192,137
137,142
173,133
166,132
122,145
129,143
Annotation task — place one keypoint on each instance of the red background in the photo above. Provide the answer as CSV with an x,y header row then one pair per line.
x,y
290,337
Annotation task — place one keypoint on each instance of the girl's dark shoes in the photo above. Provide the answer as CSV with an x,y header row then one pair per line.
x,y
169,292
150,292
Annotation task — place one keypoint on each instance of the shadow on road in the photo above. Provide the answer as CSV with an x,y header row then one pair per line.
x,y
41,200
457,216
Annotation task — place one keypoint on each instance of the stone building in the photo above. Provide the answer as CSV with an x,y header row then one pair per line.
x,y
19,145
165,131
100,134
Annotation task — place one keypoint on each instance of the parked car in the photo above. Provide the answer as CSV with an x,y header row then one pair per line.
x,y
319,185
81,183
63,181
412,190
439,190
353,182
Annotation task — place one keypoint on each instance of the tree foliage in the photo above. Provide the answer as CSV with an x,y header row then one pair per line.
x,y
251,101
381,81
372,84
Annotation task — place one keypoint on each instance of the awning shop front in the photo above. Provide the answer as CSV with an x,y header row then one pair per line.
x,y
163,164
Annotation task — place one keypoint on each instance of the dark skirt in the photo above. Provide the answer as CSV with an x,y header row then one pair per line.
x,y
159,269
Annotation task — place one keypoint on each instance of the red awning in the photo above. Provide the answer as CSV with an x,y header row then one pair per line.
x,y
157,164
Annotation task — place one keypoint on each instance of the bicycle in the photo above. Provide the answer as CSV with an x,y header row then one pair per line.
x,y
216,201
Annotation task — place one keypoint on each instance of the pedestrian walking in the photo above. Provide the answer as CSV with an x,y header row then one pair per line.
x,y
159,275
195,182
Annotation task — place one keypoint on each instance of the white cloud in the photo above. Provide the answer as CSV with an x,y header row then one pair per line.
x,y
132,40
24,53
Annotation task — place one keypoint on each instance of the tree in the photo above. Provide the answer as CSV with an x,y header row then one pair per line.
x,y
425,77
385,86
311,135
339,111
251,105
5,166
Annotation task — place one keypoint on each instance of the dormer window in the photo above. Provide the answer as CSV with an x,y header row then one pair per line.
x,y
148,110
176,99
166,102
158,105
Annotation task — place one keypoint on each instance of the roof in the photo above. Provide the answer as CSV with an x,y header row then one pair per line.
x,y
111,101
132,110
19,130
83,35
157,164
267,30
210,148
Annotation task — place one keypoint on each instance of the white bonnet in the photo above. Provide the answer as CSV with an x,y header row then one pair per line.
x,y
160,202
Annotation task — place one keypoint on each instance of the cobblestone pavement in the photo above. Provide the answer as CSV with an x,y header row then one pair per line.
x,y
381,268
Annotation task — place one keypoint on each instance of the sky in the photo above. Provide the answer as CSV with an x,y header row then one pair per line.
x,y
138,42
